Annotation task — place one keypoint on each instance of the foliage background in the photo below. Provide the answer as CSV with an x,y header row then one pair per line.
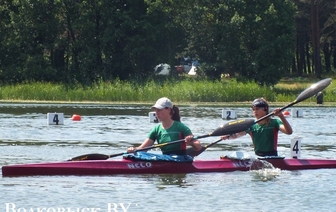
x,y
89,41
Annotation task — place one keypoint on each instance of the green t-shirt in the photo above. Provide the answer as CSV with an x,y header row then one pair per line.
x,y
176,132
265,137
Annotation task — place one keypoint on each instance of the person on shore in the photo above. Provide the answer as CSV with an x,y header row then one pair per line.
x,y
264,134
170,129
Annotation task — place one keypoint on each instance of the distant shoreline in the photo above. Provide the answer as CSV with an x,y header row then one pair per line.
x,y
194,104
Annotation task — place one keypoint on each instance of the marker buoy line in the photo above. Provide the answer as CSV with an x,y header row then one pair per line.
x,y
76,117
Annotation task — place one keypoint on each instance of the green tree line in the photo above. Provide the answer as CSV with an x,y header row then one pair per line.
x,y
87,41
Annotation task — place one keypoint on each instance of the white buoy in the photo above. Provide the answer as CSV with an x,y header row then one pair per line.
x,y
295,148
55,118
153,118
229,114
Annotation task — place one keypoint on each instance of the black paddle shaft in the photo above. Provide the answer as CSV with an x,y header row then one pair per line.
x,y
222,130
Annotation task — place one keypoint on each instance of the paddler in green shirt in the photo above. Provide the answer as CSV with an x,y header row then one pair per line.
x,y
264,134
170,129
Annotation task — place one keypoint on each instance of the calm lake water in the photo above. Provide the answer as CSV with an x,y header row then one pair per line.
x,y
27,138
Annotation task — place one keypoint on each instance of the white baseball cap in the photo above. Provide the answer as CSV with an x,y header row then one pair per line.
x,y
163,103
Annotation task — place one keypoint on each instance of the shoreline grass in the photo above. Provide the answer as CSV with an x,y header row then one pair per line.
x,y
187,91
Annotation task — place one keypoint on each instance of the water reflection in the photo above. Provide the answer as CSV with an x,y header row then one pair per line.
x,y
162,181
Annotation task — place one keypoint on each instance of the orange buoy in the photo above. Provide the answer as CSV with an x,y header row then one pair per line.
x,y
76,117
286,113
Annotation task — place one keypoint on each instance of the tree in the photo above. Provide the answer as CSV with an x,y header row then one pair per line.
x,y
253,39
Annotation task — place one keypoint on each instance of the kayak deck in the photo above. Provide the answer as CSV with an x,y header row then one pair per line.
x,y
113,167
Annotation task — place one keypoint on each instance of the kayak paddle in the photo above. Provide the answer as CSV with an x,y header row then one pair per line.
x,y
228,128
307,93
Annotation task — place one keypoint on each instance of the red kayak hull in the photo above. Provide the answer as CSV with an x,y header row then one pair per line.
x,y
113,167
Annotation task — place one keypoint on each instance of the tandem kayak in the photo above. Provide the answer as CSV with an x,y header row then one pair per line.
x,y
125,166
